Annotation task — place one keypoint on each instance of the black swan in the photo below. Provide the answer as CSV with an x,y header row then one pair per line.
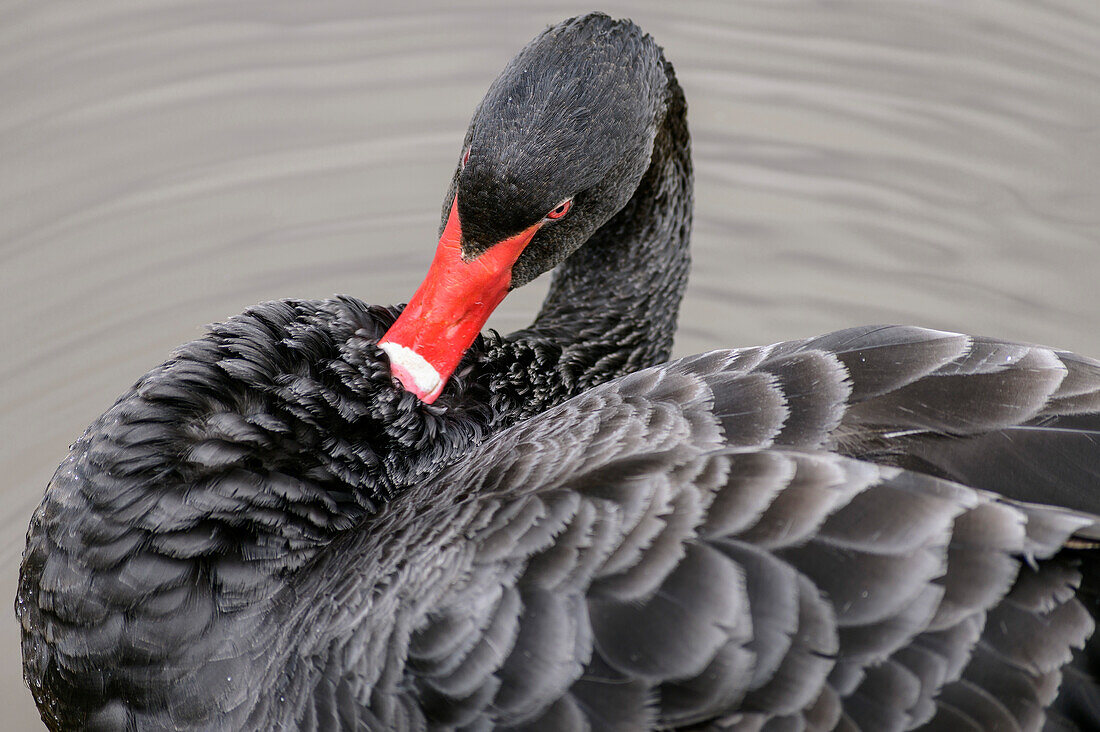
x,y
883,528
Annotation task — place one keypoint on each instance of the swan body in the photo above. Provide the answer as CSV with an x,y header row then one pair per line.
x,y
883,528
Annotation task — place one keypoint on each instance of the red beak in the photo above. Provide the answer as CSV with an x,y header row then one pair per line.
x,y
449,309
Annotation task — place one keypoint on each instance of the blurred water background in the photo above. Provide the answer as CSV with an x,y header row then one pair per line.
x,y
164,164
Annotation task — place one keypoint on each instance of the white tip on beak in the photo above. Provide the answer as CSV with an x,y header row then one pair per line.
x,y
408,365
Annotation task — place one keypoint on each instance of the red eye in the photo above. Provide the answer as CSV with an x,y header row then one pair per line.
x,y
561,210
465,157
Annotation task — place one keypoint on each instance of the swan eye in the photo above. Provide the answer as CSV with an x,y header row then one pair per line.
x,y
465,157
561,210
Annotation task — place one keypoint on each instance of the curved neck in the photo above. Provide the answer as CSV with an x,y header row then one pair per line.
x,y
612,306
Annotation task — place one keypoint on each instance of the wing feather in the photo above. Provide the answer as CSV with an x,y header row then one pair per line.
x,y
763,539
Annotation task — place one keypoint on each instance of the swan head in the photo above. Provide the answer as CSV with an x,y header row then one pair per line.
x,y
558,145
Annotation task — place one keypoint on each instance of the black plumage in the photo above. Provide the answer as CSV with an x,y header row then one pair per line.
x,y
881,528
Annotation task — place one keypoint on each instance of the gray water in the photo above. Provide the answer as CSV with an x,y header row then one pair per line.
x,y
166,164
